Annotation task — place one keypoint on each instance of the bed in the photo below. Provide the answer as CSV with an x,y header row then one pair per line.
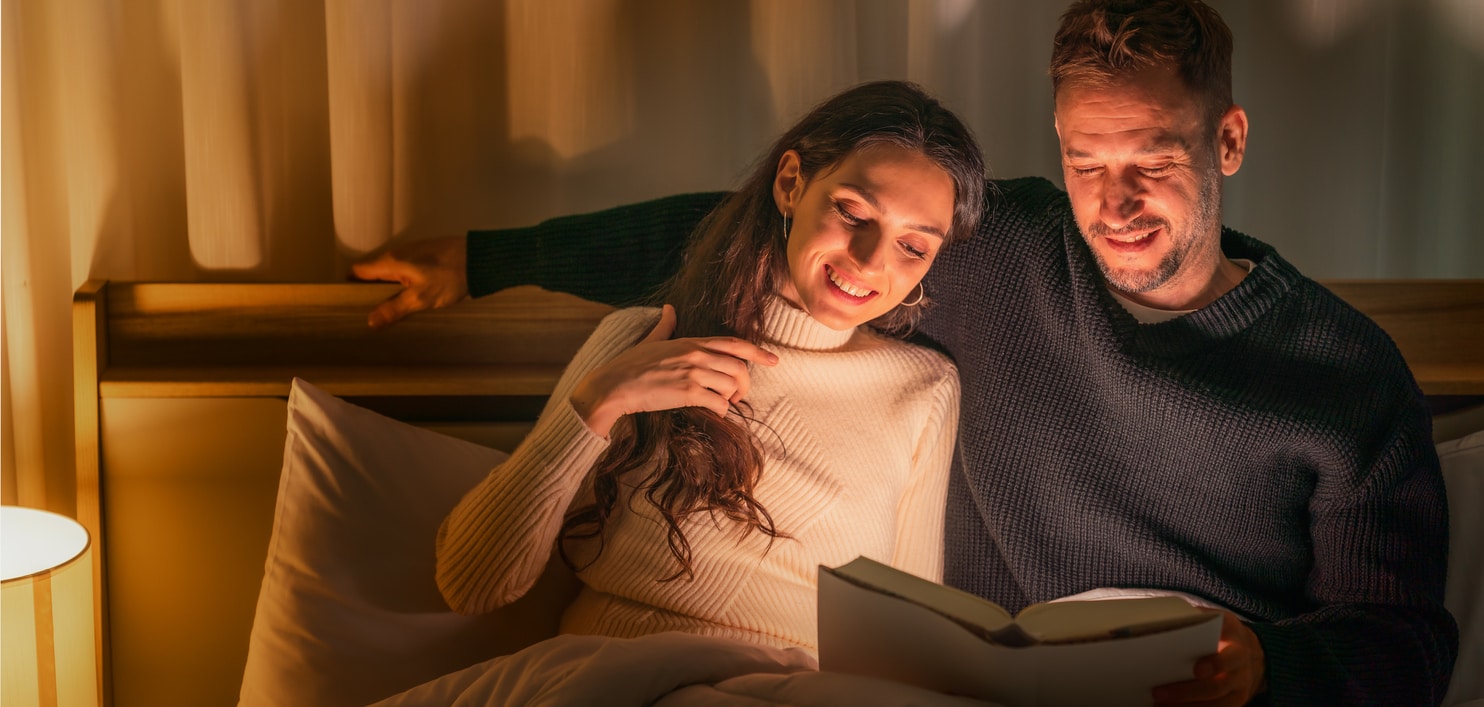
x,y
186,476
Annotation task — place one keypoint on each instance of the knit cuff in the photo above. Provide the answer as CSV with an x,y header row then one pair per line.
x,y
1289,651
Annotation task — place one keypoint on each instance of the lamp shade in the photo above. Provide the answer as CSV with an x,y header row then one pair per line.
x,y
46,594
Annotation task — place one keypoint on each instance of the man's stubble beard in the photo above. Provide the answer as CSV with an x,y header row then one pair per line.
x,y
1207,218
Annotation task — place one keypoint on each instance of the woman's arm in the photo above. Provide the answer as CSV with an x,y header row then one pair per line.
x,y
919,542
495,543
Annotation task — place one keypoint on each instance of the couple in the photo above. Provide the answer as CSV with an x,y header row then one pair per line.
x,y
1149,400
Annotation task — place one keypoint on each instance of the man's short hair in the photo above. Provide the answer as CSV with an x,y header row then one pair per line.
x,y
1101,41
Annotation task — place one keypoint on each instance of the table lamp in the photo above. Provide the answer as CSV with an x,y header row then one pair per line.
x,y
46,596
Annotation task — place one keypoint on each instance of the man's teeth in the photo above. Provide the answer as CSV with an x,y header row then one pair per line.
x,y
1134,239
848,288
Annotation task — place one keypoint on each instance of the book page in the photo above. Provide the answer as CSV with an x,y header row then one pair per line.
x,y
1064,622
864,631
981,616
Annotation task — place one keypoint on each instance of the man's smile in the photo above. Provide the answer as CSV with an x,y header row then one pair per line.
x,y
1131,242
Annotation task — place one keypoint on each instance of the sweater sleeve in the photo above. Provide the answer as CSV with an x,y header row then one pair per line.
x,y
1380,633
919,541
617,256
495,543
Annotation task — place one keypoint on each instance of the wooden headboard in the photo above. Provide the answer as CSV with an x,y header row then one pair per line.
x,y
180,415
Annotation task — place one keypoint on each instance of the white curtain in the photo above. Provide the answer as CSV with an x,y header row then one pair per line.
x,y
254,140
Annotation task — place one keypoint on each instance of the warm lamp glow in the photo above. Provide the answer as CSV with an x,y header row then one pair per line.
x,y
47,600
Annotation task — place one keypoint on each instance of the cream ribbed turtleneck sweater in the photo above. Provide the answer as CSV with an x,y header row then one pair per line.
x,y
857,446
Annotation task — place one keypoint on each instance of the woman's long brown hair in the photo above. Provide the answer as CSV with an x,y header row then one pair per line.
x,y
691,460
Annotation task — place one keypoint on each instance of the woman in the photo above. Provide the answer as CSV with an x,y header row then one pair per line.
x,y
696,479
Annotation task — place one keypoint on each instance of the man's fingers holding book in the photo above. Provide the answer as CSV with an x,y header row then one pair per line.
x,y
1231,676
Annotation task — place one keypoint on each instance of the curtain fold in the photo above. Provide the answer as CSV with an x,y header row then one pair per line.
x,y
222,170
272,140
39,200
359,62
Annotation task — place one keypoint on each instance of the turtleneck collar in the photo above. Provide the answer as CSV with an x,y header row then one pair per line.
x,y
787,325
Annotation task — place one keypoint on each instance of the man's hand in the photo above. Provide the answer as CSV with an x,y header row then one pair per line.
x,y
1231,677
431,272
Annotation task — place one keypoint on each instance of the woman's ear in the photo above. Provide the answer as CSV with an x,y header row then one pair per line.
x,y
788,183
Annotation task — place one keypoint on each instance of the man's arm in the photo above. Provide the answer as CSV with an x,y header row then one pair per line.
x,y
1377,632
1380,634
617,256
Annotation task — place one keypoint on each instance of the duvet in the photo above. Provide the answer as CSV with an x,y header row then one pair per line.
x,y
665,669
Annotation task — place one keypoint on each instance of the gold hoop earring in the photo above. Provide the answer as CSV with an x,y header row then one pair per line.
x,y
921,293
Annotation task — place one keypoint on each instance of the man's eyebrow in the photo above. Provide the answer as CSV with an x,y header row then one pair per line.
x,y
1164,144
871,199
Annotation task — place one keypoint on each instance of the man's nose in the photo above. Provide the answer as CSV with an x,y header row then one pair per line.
x,y
1123,199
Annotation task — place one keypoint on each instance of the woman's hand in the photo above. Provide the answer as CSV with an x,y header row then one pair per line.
x,y
663,374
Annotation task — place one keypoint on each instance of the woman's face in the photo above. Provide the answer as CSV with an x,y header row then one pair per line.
x,y
863,233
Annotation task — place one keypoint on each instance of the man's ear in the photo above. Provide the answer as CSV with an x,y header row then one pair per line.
x,y
788,183
1231,139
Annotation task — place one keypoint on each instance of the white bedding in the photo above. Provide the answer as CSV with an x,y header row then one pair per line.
x,y
664,669
349,612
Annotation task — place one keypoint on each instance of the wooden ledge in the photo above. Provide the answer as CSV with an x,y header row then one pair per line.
x,y
194,339
493,380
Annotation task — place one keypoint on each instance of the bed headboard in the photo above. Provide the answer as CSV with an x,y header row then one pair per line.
x,y
180,412
180,394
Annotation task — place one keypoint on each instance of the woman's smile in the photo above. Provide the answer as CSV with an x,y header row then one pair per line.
x,y
852,292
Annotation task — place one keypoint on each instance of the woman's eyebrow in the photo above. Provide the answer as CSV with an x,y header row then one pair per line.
x,y
871,199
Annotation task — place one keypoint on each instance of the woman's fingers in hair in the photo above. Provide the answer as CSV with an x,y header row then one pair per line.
x,y
721,373
732,356
665,327
740,349
692,367
664,374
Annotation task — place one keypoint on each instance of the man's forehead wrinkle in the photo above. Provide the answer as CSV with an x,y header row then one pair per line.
x,y
1145,140
1122,110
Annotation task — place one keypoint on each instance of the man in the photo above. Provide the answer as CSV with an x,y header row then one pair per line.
x,y
1149,399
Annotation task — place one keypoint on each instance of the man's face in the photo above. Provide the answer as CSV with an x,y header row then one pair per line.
x,y
1143,170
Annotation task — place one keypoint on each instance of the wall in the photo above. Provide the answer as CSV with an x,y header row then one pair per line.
x,y
281,139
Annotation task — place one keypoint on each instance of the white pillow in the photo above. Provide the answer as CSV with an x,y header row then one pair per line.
x,y
348,612
1463,472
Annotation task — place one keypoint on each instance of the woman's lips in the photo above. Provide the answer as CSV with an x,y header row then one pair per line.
x,y
841,286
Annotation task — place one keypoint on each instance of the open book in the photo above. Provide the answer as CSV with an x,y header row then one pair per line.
x,y
879,621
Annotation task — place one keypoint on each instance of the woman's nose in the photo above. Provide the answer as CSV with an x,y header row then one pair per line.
x,y
868,249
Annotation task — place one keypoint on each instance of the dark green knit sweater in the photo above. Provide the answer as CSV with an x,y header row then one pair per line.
x,y
1269,452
